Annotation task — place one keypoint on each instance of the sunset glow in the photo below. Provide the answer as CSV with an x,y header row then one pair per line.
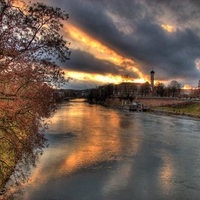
x,y
101,52
168,28
106,44
109,78
93,46
187,87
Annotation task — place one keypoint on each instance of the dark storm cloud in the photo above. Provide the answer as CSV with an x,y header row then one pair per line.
x,y
175,53
84,62
133,29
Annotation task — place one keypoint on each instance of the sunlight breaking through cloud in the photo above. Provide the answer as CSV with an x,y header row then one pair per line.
x,y
101,52
108,78
168,28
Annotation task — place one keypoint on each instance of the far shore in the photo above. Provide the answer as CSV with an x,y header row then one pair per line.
x,y
161,111
190,109
169,106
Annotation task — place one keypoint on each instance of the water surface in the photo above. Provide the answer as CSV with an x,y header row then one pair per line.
x,y
96,153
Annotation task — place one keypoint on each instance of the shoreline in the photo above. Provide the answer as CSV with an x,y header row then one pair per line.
x,y
158,109
167,112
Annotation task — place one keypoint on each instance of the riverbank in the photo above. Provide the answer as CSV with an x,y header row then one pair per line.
x,y
189,108
172,106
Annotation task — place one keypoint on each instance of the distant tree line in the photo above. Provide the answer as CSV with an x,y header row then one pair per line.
x,y
130,91
172,90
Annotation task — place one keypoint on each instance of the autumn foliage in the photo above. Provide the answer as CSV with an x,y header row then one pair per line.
x,y
30,42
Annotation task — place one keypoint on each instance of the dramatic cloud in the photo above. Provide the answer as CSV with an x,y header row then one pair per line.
x,y
81,61
111,38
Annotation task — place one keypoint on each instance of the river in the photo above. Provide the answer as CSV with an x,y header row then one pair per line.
x,y
98,153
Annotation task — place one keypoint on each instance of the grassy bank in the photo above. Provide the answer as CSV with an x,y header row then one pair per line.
x,y
187,108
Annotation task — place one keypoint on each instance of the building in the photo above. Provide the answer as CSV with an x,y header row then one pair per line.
x,y
128,89
152,73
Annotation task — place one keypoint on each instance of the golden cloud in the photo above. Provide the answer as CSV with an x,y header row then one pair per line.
x,y
100,51
168,28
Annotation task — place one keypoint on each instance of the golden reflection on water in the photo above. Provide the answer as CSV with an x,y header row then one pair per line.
x,y
102,136
98,140
96,147
113,154
166,172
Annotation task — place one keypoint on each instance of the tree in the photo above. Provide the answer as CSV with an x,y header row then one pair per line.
x,y
93,95
109,90
174,88
30,42
160,89
30,39
145,88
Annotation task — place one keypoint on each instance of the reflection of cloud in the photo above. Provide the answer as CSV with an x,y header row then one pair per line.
x,y
94,150
118,179
100,142
166,172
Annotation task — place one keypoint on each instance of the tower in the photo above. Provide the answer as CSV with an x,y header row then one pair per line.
x,y
152,79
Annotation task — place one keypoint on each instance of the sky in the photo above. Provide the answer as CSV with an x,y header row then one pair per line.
x,y
112,38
